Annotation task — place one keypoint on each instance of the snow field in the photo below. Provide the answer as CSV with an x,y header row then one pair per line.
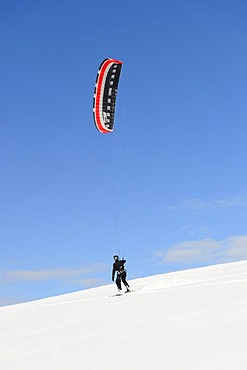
x,y
187,320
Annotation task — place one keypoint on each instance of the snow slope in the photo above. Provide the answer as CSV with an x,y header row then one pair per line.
x,y
187,320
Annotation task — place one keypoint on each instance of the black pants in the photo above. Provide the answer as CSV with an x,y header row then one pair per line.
x,y
121,276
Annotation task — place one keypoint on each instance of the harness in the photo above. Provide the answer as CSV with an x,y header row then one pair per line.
x,y
121,271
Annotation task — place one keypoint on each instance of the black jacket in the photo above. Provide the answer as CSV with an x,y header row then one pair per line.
x,y
117,266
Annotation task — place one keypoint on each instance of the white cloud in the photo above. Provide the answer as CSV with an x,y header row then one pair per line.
x,y
198,204
205,251
5,301
200,230
67,274
87,282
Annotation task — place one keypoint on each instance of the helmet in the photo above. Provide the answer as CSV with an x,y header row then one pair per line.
x,y
115,258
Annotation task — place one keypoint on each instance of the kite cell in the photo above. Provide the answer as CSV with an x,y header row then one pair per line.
x,y
105,93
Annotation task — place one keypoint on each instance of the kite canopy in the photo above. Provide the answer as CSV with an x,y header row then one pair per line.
x,y
105,93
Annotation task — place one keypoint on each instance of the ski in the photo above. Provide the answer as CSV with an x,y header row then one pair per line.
x,y
119,294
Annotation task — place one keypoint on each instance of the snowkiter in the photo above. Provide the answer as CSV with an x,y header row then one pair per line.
x,y
118,267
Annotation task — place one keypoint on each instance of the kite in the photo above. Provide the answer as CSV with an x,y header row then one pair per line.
x,y
105,93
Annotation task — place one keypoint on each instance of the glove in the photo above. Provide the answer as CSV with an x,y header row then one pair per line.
x,y
113,279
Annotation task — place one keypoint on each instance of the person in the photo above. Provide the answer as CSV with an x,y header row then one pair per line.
x,y
118,267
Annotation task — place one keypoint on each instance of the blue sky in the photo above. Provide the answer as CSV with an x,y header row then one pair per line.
x,y
168,188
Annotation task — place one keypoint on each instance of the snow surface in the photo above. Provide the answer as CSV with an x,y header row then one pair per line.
x,y
187,320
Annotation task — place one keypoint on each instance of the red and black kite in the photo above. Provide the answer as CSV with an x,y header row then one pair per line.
x,y
105,93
